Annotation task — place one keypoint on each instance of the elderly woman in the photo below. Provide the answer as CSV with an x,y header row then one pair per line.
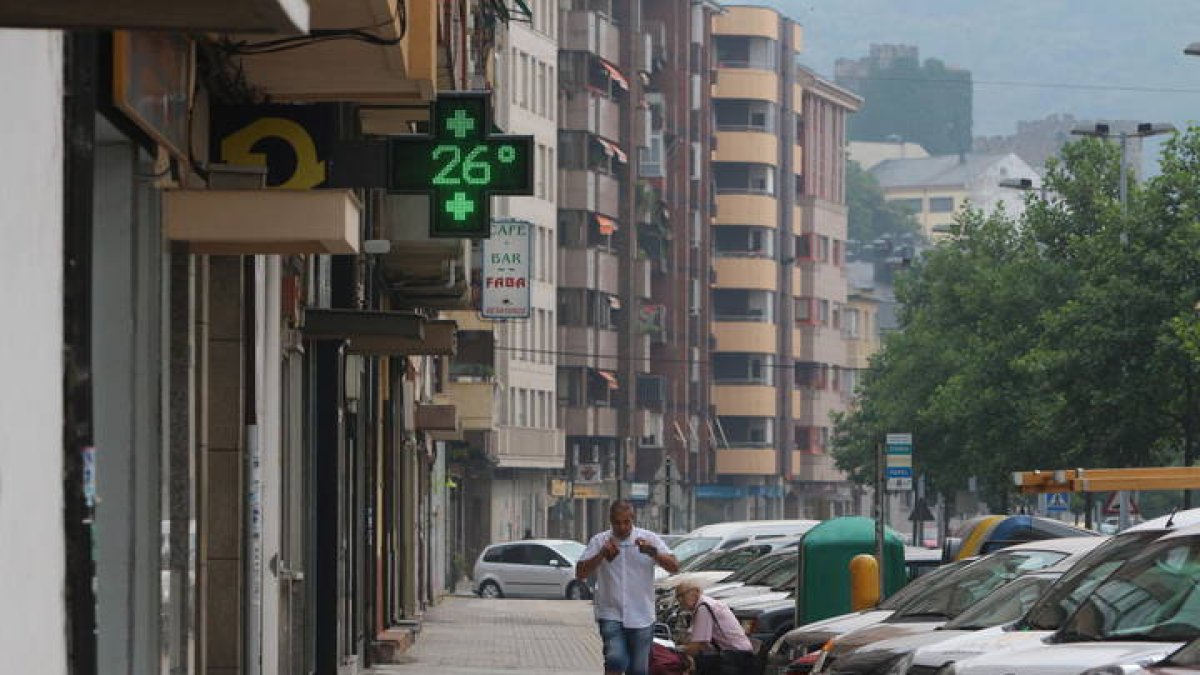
x,y
716,638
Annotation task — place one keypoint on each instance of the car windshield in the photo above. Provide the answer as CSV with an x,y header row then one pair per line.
x,y
754,568
690,548
1188,655
975,581
571,550
918,586
1049,612
1155,597
763,576
1006,605
735,559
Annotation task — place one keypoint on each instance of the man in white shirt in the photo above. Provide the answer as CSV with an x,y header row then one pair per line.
x,y
623,559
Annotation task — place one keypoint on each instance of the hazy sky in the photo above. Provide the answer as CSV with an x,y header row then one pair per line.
x,y
1094,59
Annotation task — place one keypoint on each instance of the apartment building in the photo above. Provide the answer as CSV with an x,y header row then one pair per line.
x,y
634,205
779,293
504,377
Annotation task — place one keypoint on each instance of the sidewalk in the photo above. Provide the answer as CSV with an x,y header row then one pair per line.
x,y
465,635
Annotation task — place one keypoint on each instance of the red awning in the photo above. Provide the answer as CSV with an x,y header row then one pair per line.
x,y
609,377
615,74
612,149
605,224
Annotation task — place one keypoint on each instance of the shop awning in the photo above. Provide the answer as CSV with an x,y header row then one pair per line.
x,y
263,222
253,16
615,74
612,149
609,377
606,225
382,333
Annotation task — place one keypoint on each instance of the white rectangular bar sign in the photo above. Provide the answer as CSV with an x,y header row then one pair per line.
x,y
506,266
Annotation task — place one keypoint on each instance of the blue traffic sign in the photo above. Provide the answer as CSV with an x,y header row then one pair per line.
x,y
1058,501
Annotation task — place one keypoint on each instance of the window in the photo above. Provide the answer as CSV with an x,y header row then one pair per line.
x,y
803,310
743,177
495,553
804,247
747,431
744,115
941,204
823,249
743,305
743,241
743,368
912,205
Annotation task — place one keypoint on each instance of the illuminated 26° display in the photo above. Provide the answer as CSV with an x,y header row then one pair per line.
x,y
460,165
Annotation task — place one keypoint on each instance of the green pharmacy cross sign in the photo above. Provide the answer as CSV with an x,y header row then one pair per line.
x,y
461,165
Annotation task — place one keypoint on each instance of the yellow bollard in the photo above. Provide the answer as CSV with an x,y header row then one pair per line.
x,y
864,582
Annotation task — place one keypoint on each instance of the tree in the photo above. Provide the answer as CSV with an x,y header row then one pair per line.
x,y
871,216
1067,338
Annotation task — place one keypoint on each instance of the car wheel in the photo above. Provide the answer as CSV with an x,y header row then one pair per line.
x,y
577,591
489,590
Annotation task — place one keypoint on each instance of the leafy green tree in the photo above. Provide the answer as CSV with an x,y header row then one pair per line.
x,y
1066,338
871,216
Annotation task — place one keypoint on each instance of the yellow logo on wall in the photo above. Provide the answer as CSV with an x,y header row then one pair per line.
x,y
238,148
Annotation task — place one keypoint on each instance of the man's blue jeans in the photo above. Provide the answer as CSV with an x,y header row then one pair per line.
x,y
626,650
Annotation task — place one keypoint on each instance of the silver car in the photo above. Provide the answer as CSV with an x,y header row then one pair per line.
x,y
531,568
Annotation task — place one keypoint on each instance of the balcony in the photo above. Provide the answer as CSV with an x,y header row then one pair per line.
x,y
475,403
744,83
600,346
584,190
748,21
756,273
418,270
816,468
744,400
588,420
747,146
354,70
812,407
745,336
821,217
585,110
588,268
747,462
259,16
592,32
525,448
820,344
747,209
643,284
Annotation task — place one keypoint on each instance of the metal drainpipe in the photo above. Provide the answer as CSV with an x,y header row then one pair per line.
x,y
252,476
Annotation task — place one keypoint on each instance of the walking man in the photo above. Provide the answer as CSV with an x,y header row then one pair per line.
x,y
623,559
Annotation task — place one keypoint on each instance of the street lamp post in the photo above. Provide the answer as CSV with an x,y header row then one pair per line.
x,y
1143,129
1025,184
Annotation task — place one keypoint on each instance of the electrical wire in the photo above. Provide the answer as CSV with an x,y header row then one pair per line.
x,y
809,365
314,37
1026,83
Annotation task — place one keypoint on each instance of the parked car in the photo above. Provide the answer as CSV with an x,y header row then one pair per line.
x,y
1144,611
1060,601
1007,604
531,568
959,592
719,536
1184,661
807,640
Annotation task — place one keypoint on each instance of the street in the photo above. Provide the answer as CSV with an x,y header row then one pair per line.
x,y
470,636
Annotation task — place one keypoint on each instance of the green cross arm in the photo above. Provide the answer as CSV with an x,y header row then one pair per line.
x,y
460,166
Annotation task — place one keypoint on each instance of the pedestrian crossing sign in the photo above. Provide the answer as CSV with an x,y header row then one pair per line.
x,y
1057,501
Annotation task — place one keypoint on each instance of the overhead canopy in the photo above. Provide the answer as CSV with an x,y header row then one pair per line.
x,y
382,333
615,74
609,377
606,225
612,149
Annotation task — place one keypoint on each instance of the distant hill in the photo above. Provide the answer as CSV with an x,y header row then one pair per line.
x,y
1090,56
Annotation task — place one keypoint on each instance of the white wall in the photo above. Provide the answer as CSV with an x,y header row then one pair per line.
x,y
31,555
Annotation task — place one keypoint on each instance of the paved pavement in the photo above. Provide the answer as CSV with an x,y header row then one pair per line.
x,y
471,636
